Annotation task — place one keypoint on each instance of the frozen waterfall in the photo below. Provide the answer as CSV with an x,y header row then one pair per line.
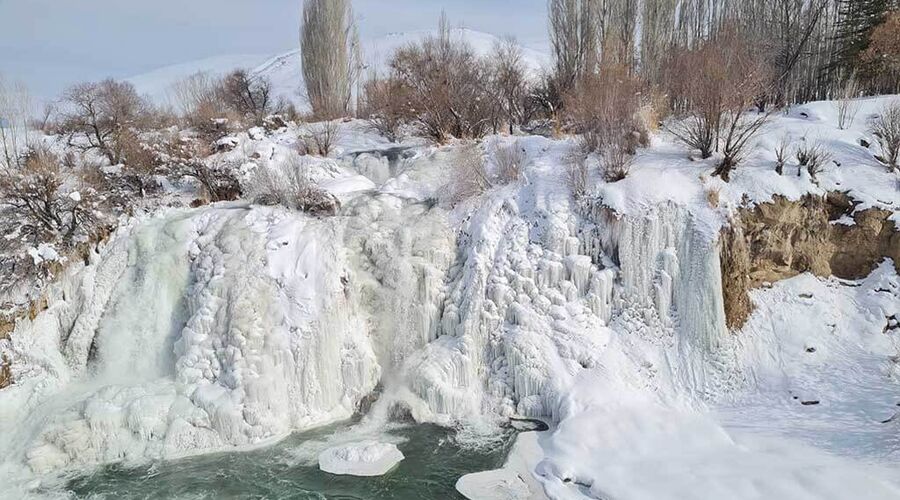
x,y
235,325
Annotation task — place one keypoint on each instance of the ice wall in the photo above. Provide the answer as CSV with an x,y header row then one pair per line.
x,y
539,294
224,327
520,300
671,287
233,325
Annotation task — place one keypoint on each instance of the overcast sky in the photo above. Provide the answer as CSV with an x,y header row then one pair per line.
x,y
49,44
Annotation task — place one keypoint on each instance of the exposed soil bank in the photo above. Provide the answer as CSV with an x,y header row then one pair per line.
x,y
781,239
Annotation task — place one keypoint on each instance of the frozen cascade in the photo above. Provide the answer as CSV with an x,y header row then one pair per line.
x,y
204,343
671,288
248,323
532,301
515,313
225,327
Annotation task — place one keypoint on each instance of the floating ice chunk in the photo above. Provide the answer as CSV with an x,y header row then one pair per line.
x,y
366,458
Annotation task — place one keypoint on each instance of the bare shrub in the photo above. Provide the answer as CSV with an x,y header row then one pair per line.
x,y
188,158
446,85
319,138
510,161
616,162
847,105
813,155
604,108
99,113
469,175
385,106
140,157
886,129
713,195
249,97
711,86
41,204
200,101
577,172
329,48
782,149
740,129
288,184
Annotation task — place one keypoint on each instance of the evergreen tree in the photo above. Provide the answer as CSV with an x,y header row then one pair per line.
x,y
856,20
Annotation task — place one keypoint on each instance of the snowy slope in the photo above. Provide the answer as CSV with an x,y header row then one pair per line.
x,y
285,72
158,84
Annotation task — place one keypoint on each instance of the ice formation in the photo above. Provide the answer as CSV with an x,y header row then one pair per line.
x,y
234,325
360,459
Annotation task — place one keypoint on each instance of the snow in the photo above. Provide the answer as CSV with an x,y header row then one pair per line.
x,y
159,85
360,459
44,253
228,326
664,172
513,481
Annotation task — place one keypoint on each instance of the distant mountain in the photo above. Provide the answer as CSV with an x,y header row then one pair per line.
x,y
285,71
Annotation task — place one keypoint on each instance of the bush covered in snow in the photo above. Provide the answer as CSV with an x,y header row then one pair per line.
x,y
289,184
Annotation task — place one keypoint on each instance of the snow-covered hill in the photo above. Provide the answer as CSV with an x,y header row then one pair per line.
x,y
285,71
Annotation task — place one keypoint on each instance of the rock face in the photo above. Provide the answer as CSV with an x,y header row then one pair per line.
x,y
783,238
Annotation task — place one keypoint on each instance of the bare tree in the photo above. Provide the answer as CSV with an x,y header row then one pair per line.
x,y
886,129
576,31
510,84
446,85
881,59
99,113
248,96
15,111
329,49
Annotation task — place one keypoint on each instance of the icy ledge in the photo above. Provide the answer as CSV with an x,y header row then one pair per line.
x,y
513,481
367,458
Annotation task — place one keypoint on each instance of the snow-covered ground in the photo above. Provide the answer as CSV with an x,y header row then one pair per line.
x,y
233,325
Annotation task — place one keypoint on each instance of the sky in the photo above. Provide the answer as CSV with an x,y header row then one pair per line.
x,y
51,44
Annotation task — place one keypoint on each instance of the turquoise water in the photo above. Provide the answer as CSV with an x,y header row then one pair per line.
x,y
434,461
